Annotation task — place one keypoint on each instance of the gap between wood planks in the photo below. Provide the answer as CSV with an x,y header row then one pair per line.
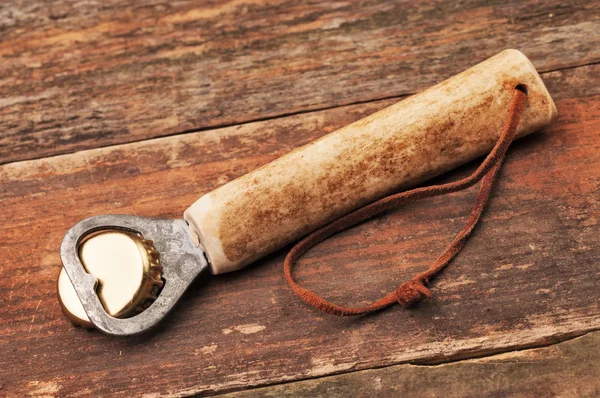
x,y
275,117
502,373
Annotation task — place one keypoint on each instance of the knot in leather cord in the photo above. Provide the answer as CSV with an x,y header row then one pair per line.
x,y
410,293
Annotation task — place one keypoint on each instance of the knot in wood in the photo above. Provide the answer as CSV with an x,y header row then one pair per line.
x,y
410,293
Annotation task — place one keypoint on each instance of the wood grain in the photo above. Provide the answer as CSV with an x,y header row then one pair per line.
x,y
567,369
528,276
80,74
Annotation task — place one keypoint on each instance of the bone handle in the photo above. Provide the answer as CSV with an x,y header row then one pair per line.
x,y
416,139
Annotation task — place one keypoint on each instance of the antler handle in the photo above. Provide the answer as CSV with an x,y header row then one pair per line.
x,y
407,143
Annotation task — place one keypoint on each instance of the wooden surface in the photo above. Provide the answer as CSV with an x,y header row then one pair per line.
x,y
84,74
78,75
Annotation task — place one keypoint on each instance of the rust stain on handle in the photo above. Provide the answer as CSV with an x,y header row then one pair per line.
x,y
425,135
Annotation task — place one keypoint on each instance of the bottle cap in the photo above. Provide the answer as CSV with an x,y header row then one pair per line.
x,y
128,271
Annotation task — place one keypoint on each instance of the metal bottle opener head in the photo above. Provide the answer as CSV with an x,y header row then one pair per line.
x,y
181,260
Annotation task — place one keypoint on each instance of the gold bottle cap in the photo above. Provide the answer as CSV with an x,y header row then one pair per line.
x,y
128,272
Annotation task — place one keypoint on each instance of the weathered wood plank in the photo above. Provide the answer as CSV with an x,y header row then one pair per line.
x,y
567,369
528,276
82,74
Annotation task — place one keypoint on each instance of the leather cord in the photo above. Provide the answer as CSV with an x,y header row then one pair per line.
x,y
411,292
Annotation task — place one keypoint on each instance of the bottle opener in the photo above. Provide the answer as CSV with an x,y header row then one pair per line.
x,y
122,274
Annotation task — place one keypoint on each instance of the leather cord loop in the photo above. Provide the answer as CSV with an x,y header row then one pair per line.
x,y
413,291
